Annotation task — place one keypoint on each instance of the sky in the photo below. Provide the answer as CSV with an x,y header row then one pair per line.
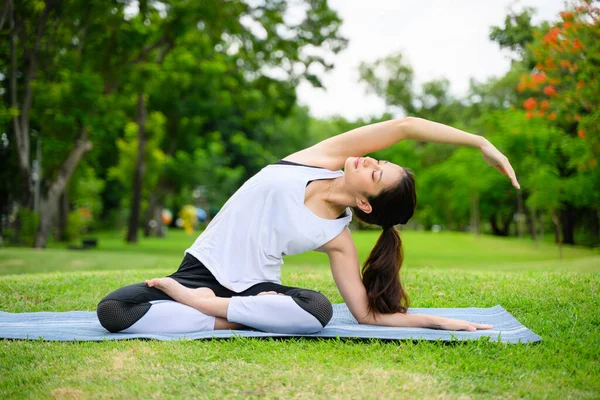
x,y
438,38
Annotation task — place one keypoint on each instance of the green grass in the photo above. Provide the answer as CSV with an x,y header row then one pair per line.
x,y
557,299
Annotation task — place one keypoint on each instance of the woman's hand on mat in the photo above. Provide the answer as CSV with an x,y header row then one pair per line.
x,y
496,159
460,325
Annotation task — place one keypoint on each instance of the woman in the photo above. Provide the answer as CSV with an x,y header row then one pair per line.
x,y
229,277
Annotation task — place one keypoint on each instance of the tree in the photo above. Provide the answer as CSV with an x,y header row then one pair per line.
x,y
517,32
42,94
96,56
256,33
562,88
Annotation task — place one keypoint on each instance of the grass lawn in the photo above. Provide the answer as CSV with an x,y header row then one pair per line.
x,y
557,299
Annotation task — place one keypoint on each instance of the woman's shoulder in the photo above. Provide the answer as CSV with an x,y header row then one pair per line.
x,y
296,164
303,171
313,158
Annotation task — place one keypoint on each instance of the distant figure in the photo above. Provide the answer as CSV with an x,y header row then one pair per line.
x,y
189,218
229,277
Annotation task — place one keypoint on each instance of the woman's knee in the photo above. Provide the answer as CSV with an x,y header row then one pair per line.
x,y
314,303
125,306
159,316
299,311
117,315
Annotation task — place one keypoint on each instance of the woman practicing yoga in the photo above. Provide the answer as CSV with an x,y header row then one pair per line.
x,y
229,277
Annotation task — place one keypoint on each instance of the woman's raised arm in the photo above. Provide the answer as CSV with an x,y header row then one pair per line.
x,y
332,152
370,138
427,131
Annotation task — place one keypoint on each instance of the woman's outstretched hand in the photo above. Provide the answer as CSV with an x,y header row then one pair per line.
x,y
459,325
496,159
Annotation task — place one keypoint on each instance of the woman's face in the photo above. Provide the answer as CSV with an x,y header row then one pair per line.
x,y
371,176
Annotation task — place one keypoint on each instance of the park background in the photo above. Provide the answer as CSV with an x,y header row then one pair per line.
x,y
114,111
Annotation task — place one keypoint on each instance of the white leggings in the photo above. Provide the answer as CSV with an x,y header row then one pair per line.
x,y
269,313
138,308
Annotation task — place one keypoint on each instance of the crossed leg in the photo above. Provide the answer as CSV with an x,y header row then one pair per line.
x,y
296,311
202,299
192,300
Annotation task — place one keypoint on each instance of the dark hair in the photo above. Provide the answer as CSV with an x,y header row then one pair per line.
x,y
381,271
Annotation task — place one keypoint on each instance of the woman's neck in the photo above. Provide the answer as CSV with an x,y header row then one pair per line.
x,y
337,198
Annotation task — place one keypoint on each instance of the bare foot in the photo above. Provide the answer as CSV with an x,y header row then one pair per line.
x,y
179,292
159,283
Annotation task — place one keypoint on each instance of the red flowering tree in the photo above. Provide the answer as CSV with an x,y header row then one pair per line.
x,y
564,87
565,83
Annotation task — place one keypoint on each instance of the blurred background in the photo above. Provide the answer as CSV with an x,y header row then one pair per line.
x,y
138,116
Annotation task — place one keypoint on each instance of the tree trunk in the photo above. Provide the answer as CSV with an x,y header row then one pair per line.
x,y
161,189
542,226
49,202
21,121
475,216
148,228
532,222
596,230
500,230
154,225
494,225
160,227
48,208
520,214
568,217
63,214
557,230
506,224
21,138
7,7
138,175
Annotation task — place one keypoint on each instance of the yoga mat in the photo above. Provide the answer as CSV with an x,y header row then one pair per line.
x,y
84,326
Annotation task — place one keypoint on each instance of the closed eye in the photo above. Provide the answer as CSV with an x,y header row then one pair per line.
x,y
380,175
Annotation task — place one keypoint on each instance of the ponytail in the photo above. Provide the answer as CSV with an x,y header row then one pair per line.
x,y
381,271
381,274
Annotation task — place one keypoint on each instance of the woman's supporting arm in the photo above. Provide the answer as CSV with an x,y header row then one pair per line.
x,y
423,321
346,273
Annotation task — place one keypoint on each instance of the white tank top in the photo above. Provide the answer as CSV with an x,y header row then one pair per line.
x,y
262,222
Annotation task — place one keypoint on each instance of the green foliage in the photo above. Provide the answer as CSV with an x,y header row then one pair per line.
x,y
562,88
517,32
391,79
86,189
76,223
556,165
219,82
201,67
209,168
23,234
154,157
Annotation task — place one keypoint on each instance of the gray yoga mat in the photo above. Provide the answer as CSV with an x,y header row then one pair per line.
x,y
84,326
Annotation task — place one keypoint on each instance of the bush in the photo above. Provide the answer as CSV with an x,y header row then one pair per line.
x,y
22,229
